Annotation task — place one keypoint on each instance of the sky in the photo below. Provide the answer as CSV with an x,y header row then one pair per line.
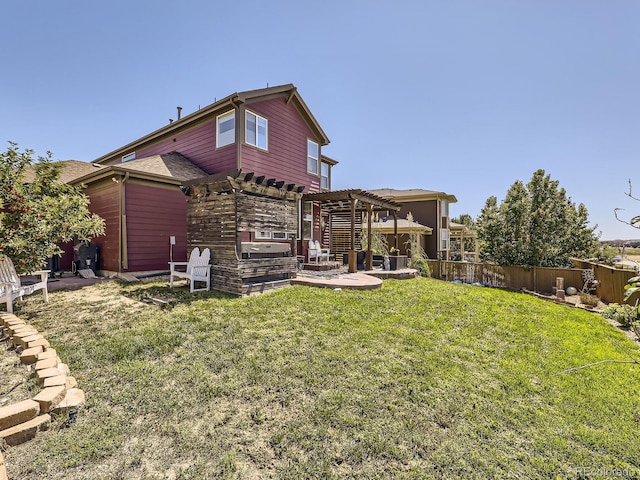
x,y
459,96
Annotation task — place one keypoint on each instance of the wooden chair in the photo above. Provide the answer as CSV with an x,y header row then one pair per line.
x,y
198,270
316,252
11,287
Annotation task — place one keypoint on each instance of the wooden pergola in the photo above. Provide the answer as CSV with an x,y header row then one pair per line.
x,y
352,201
224,213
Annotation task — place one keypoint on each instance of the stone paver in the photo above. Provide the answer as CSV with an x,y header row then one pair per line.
x,y
30,355
25,431
73,399
50,397
17,413
3,469
46,363
46,373
40,341
49,353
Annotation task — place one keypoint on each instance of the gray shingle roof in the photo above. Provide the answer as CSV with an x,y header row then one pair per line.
x,y
172,164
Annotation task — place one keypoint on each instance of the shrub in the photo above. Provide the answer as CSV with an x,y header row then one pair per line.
x,y
623,314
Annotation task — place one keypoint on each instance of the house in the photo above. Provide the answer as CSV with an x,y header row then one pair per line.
x,y
136,188
404,229
429,208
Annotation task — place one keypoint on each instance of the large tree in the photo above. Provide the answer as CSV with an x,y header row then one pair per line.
x,y
39,212
536,224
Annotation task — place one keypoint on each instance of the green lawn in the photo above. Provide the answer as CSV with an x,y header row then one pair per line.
x,y
420,379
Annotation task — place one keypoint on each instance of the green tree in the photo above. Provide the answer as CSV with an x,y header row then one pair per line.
x,y
466,220
635,221
536,224
37,211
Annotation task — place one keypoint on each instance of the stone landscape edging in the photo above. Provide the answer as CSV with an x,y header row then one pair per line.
x,y
20,421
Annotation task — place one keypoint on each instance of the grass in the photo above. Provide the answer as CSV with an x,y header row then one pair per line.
x,y
421,379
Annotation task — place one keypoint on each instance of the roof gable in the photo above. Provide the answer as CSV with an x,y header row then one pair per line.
x,y
288,91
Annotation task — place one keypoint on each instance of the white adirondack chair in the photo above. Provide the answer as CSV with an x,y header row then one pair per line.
x,y
11,287
317,253
198,269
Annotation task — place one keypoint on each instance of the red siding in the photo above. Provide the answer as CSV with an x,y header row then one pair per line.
x,y
286,158
105,201
153,215
198,144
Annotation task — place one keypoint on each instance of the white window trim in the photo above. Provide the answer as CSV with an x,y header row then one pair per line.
x,y
266,133
305,220
218,144
262,235
128,157
444,239
279,235
317,159
327,176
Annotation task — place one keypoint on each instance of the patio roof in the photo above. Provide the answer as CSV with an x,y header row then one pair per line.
x,y
339,201
352,201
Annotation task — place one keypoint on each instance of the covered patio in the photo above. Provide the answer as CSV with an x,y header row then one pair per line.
x,y
345,209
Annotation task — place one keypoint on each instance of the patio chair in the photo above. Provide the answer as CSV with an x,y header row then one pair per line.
x,y
11,287
316,252
197,270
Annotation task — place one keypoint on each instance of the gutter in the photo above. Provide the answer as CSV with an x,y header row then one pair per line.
x,y
123,253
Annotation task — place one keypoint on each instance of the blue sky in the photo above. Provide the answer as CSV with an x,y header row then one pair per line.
x,y
457,96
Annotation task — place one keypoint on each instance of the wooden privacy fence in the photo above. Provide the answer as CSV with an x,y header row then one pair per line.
x,y
539,279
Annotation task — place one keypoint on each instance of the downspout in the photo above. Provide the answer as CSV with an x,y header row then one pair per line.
x,y
124,259
239,131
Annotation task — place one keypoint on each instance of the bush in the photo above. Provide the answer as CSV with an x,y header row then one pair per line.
x,y
623,314
421,265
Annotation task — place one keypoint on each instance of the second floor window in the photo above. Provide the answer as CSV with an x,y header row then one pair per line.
x,y
256,132
226,129
324,176
444,239
313,156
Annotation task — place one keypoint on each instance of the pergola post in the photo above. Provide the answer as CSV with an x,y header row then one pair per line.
x,y
353,255
369,255
395,230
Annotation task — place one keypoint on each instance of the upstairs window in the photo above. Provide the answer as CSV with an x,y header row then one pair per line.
x,y
324,176
313,157
226,129
256,130
444,239
445,208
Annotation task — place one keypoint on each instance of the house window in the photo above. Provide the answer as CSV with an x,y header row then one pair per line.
x,y
226,129
263,235
445,208
324,176
129,156
313,155
256,130
444,239
279,236
307,220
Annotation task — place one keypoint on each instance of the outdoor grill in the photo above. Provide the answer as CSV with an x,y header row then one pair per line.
x,y
85,257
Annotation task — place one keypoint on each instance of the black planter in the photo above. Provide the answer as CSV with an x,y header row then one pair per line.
x,y
397,262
